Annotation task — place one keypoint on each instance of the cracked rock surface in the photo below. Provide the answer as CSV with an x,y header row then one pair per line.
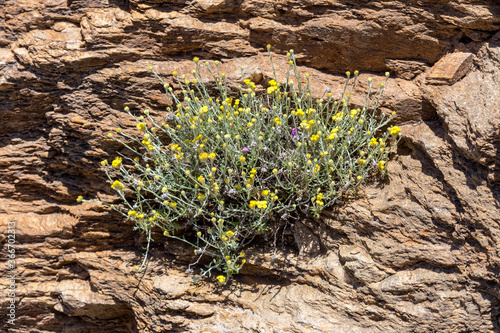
x,y
418,252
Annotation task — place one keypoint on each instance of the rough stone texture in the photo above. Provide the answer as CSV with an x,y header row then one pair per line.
x,y
451,68
416,253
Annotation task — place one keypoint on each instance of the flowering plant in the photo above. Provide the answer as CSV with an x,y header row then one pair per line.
x,y
219,169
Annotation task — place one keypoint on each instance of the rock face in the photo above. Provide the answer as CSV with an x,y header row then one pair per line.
x,y
417,253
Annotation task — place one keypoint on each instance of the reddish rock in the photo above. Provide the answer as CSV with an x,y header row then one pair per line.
x,y
450,68
417,252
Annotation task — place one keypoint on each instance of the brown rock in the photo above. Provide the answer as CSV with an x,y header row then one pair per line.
x,y
451,68
417,252
307,242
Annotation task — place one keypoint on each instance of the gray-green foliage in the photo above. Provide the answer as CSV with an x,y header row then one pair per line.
x,y
221,168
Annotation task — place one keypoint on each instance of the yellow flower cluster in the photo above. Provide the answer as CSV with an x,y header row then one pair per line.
x,y
333,134
273,87
307,124
117,186
141,127
319,199
259,204
117,162
205,156
299,113
394,130
314,137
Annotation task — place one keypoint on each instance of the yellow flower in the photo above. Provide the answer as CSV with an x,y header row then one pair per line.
x,y
271,89
314,137
265,193
196,59
394,130
211,156
242,159
381,165
117,162
361,161
221,279
243,261
173,204
117,186
316,168
262,204
373,142
198,233
201,179
277,121
229,234
275,171
132,213
319,199
141,126
242,254
203,156
79,199
105,162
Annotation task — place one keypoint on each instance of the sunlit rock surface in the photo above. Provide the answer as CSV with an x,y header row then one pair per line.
x,y
418,252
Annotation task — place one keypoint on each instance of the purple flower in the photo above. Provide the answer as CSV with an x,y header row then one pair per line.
x,y
294,131
245,149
